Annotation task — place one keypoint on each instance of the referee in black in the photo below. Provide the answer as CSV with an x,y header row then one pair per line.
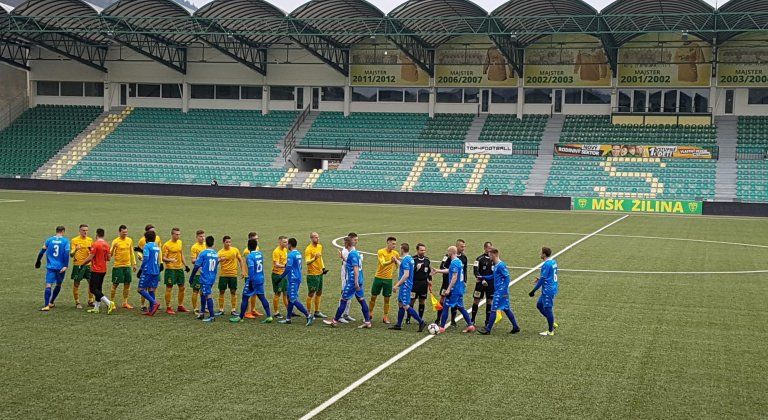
x,y
461,246
422,279
483,289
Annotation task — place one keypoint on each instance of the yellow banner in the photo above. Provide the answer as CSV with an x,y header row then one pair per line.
x,y
377,62
575,60
665,60
472,61
743,61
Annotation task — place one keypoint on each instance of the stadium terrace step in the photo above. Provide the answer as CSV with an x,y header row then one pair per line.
x,y
311,178
288,178
78,148
38,134
543,164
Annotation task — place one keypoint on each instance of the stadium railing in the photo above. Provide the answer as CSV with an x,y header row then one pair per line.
x,y
290,136
423,146
751,153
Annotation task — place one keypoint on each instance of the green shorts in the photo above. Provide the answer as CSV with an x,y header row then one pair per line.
x,y
121,275
196,283
279,285
80,272
315,283
227,283
174,276
381,287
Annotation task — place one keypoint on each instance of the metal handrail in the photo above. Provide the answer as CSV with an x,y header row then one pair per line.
x,y
423,146
289,141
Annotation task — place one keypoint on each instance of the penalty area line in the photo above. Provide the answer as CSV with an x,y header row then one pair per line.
x,y
354,385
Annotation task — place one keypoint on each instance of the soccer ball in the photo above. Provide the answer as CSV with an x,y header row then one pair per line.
x,y
433,329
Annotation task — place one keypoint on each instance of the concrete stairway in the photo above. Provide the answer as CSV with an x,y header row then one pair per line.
x,y
476,128
77,149
349,160
726,177
540,172
280,161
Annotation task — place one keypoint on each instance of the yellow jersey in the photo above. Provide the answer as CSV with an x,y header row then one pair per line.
x,y
81,249
314,268
386,267
228,262
196,249
122,252
279,256
143,241
172,250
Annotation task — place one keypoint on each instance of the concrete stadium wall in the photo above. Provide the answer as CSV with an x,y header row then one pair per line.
x,y
367,197
13,83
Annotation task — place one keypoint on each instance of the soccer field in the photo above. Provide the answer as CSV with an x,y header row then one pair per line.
x,y
659,316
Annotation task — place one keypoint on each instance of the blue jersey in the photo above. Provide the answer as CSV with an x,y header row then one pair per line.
x,y
407,264
151,262
353,259
208,264
56,252
293,266
457,267
501,278
549,276
255,263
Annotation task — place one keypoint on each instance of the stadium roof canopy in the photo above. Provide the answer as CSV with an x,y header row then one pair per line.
x,y
244,29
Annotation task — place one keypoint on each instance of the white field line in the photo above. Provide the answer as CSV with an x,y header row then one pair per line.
x,y
11,201
341,394
576,270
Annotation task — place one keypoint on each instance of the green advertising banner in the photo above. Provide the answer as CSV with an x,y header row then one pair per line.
x,y
378,62
566,60
665,60
636,205
743,61
472,61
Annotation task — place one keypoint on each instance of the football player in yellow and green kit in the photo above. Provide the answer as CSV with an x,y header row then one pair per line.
x,y
388,259
124,261
80,250
173,258
229,260
313,254
279,285
194,251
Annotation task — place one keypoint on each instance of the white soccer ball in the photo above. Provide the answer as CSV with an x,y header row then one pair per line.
x,y
433,329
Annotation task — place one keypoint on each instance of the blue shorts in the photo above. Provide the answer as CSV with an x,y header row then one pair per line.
x,y
404,295
149,281
500,302
252,288
546,301
206,289
349,291
54,276
455,299
293,290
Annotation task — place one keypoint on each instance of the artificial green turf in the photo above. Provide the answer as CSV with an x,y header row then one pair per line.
x,y
629,345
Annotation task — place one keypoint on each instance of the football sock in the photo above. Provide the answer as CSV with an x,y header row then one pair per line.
x,y
96,305
265,304
408,314
439,316
76,292
453,314
444,316
91,297
297,304
317,302
112,292
400,315
510,315
210,306
221,301
233,300
168,293
386,306
147,297
203,304
466,316
474,312
181,295
340,309
56,291
366,310
550,314
309,303
105,301
153,293
47,296
421,309
126,292
415,315
372,305
195,299
491,322
251,304
244,306
143,301
276,303
487,311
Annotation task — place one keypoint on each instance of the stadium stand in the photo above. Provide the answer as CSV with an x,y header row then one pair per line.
x,y
632,177
525,133
751,149
435,172
38,134
235,147
598,129
752,181
752,136
371,131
